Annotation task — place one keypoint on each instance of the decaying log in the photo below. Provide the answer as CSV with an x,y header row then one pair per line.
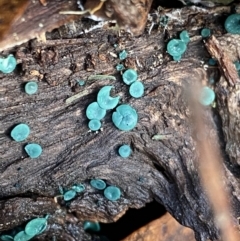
x,y
163,165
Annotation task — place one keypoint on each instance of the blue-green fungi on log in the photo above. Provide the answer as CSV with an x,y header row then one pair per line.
x,y
81,82
7,65
123,55
129,76
125,118
112,193
184,36
232,24
98,184
94,125
91,226
94,111
33,150
176,47
119,67
125,151
212,62
78,188
237,65
22,236
31,87
6,238
136,89
104,99
36,226
207,96
69,195
205,32
20,132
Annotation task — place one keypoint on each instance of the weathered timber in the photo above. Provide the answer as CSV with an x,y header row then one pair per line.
x,y
165,170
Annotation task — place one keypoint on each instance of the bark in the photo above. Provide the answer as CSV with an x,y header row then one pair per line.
x,y
165,170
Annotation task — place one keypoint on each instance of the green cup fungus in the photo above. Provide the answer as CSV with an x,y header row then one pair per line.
x,y
22,236
212,62
112,193
207,96
6,237
31,87
184,36
136,89
91,226
81,82
69,195
205,32
120,67
104,99
7,65
123,55
125,151
33,150
78,188
98,184
94,125
237,65
232,24
20,132
36,226
94,111
176,48
129,76
125,117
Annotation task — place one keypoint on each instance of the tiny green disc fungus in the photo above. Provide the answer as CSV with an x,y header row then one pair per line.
x,y
91,226
31,87
129,76
125,151
184,36
69,195
98,184
78,188
7,65
232,24
94,111
94,125
237,65
20,132
33,150
119,67
104,99
36,226
123,55
136,89
112,193
22,236
212,62
125,118
207,96
6,238
81,82
205,32
176,47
